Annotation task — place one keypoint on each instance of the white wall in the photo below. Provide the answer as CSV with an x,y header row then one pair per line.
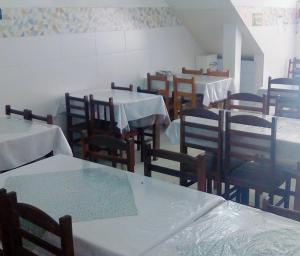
x,y
35,72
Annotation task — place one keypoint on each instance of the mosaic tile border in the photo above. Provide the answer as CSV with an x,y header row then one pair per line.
x,y
24,22
267,16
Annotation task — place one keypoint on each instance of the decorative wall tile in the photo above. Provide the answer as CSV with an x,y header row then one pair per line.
x,y
267,16
23,22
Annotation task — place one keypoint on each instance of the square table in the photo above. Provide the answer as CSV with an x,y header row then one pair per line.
x,y
128,106
232,229
287,139
23,141
213,88
160,209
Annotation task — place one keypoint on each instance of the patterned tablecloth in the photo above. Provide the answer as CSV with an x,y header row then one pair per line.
x,y
114,212
23,141
232,229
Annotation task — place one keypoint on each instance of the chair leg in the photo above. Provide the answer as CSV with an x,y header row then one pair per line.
x,y
142,141
227,191
209,186
245,196
257,199
156,137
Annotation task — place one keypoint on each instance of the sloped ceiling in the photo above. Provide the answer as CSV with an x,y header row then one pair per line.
x,y
205,19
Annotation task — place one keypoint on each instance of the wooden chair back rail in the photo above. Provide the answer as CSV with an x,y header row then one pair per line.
x,y
291,214
154,92
249,135
283,81
77,107
197,173
110,141
48,119
111,158
77,116
249,120
200,126
192,71
63,229
200,113
218,73
129,88
159,78
247,108
9,111
245,97
278,90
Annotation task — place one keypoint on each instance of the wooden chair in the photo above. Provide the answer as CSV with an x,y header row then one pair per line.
x,y
218,73
23,212
163,91
9,111
187,97
129,88
192,71
207,136
93,146
48,119
294,68
288,107
290,214
289,89
192,169
249,100
5,232
78,118
148,133
254,144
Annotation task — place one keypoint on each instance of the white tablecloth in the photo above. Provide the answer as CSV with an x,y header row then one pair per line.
x,y
128,106
288,137
163,209
232,229
22,142
213,88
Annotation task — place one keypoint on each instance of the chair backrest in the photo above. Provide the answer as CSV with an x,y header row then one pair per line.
x,y
23,212
283,212
5,232
288,107
103,116
122,88
191,168
164,84
250,138
9,110
48,119
283,87
139,89
115,146
192,71
219,73
247,102
184,89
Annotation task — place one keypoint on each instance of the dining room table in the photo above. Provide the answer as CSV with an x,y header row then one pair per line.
x,y
287,134
23,141
131,108
114,212
232,229
213,88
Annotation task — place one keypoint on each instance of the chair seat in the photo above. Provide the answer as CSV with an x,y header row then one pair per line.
x,y
256,175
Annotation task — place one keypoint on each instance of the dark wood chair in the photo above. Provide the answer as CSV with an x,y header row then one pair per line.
x,y
149,132
219,73
122,88
192,169
288,107
290,214
207,137
78,118
48,119
186,98
163,91
23,212
247,102
192,71
94,146
9,111
245,141
283,87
